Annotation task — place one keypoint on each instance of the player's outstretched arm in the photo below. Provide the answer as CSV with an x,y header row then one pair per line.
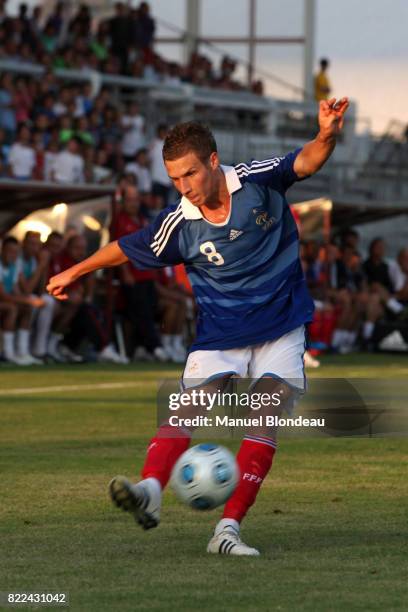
x,y
108,256
315,153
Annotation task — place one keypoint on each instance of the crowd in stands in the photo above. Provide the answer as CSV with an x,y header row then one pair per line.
x,y
153,311
65,135
355,296
122,44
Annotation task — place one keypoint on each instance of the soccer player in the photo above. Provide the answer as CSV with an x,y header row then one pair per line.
x,y
234,231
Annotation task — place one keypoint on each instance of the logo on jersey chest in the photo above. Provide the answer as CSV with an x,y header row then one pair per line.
x,y
263,219
235,234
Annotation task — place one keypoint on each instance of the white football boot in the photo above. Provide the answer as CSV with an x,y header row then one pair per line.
x,y
143,499
228,542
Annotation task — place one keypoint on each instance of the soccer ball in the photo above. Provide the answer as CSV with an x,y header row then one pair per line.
x,y
205,476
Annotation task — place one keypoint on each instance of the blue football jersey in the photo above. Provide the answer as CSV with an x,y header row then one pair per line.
x,y
245,272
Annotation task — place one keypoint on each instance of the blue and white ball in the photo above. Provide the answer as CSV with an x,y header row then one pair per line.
x,y
205,476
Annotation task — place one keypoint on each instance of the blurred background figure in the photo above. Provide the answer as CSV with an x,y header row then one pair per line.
x,y
322,87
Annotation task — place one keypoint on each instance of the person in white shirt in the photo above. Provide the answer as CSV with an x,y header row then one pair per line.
x,y
133,126
68,166
22,156
140,168
398,271
161,186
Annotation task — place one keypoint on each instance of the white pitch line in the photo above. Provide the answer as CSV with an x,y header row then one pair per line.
x,y
30,390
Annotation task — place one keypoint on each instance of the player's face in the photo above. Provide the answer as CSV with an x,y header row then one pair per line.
x,y
194,178
10,253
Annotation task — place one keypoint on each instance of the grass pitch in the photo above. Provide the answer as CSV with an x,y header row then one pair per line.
x,y
331,519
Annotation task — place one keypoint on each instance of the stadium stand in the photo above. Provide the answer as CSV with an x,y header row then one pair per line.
x,y
87,104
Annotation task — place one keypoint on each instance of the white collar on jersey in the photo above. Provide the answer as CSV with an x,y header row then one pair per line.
x,y
233,184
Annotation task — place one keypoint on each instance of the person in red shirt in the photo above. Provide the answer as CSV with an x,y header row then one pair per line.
x,y
138,286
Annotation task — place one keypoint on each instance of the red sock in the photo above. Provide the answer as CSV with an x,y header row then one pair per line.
x,y
254,460
163,451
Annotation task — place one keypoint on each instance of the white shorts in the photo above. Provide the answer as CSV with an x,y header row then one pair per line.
x,y
281,359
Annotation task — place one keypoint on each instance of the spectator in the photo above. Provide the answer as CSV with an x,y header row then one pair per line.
x,y
322,86
140,168
398,271
56,19
50,156
138,286
22,157
378,276
15,306
173,300
34,265
119,31
133,125
69,165
81,22
86,322
101,173
4,148
99,45
161,186
22,101
7,115
147,27
49,39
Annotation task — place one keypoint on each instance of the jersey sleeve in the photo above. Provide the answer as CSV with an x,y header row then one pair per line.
x,y
277,172
156,245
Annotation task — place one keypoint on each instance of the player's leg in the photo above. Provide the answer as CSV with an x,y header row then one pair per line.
x,y
278,367
207,370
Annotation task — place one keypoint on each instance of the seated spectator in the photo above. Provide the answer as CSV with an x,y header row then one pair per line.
x,y
399,276
66,131
22,156
8,120
101,172
99,45
368,308
16,307
173,300
50,155
34,265
79,318
49,39
68,164
23,101
138,286
377,273
4,148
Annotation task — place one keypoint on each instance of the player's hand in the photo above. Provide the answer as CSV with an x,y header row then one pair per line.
x,y
58,283
331,115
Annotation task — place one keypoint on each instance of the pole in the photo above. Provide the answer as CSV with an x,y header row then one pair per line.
x,y
251,41
308,53
192,28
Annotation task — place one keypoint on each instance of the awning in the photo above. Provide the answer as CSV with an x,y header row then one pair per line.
x,y
18,199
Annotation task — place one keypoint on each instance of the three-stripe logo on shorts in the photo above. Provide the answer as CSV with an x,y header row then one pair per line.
x,y
162,237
